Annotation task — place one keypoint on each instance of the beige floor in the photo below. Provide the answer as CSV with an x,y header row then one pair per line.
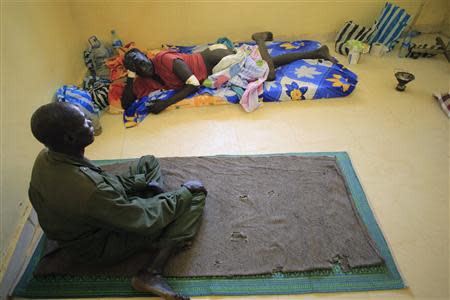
x,y
398,143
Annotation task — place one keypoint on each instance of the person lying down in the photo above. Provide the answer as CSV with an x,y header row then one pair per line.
x,y
186,72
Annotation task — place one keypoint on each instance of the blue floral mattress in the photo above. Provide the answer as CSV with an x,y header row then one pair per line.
x,y
305,79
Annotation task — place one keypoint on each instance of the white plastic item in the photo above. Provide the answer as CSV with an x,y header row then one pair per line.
x,y
353,57
378,49
404,47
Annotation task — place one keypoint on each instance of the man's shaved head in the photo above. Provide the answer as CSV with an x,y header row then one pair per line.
x,y
54,123
136,61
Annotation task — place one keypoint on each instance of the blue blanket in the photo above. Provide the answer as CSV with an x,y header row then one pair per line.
x,y
300,80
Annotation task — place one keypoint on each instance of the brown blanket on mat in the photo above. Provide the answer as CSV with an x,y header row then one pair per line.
x,y
262,214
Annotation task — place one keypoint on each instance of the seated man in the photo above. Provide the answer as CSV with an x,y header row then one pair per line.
x,y
101,218
185,72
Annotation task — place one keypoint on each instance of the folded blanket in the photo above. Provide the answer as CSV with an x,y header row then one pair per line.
x,y
243,72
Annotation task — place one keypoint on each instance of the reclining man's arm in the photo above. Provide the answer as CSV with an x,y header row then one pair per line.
x,y
128,96
182,70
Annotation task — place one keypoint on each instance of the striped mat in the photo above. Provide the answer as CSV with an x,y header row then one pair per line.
x,y
317,281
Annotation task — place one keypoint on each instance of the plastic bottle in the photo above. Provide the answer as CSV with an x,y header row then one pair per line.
x,y
99,54
404,47
116,42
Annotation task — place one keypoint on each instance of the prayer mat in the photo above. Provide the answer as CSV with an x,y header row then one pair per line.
x,y
273,224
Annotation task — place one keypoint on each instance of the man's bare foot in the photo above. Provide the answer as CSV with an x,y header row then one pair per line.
x,y
146,282
324,53
265,36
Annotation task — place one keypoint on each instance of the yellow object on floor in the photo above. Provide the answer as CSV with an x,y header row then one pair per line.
x,y
201,100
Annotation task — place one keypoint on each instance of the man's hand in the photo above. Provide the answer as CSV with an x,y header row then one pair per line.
x,y
154,188
195,186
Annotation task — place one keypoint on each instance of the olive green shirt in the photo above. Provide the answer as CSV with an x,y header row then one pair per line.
x,y
94,215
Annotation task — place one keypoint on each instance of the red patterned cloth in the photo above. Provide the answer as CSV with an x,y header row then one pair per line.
x,y
144,86
115,93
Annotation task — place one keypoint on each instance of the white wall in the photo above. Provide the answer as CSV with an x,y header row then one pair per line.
x,y
151,23
41,50
446,24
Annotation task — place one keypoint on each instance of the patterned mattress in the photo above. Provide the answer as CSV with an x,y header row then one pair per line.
x,y
307,79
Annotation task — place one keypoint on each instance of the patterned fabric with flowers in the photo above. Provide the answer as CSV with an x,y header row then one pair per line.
x,y
295,92
307,79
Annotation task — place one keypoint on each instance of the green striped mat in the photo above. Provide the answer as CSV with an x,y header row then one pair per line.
x,y
318,281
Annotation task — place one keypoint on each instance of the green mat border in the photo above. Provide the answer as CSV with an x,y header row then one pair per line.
x,y
319,281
